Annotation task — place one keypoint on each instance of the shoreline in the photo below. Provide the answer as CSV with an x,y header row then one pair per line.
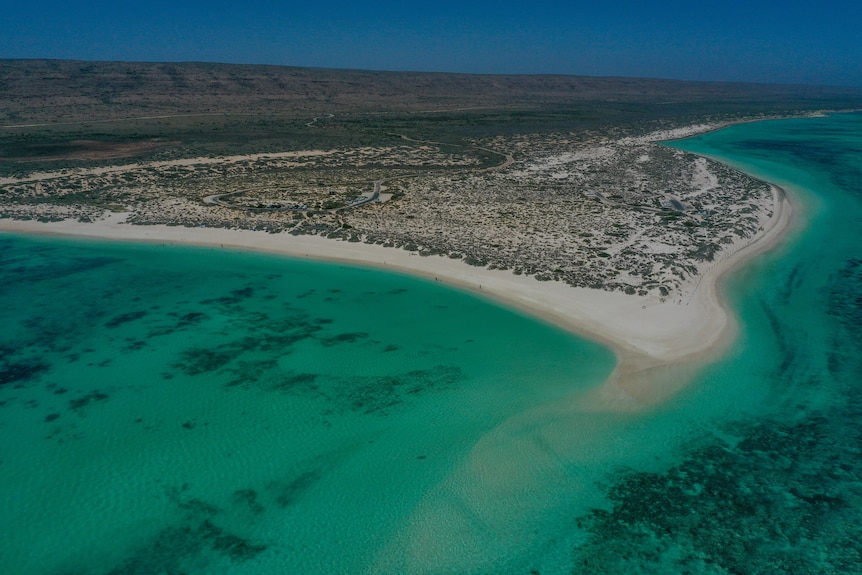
x,y
646,334
659,345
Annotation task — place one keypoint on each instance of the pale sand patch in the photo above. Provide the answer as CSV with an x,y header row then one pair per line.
x,y
703,180
644,331
186,162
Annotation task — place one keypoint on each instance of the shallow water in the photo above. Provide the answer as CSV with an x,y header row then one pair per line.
x,y
203,411
185,410
770,482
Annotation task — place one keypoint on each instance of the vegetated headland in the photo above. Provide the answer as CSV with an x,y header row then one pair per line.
x,y
552,178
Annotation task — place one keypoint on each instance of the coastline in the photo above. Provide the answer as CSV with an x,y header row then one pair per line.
x,y
645,333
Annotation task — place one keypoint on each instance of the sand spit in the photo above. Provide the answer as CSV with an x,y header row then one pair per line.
x,y
645,331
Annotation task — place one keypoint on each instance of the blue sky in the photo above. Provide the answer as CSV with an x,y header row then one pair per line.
x,y
757,41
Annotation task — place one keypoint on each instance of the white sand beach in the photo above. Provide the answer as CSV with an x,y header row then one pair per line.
x,y
645,332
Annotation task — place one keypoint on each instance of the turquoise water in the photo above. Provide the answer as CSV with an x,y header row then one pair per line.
x,y
169,410
771,480
193,411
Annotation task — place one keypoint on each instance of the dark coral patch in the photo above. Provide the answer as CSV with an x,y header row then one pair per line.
x,y
726,505
378,394
195,538
291,382
197,360
235,296
248,372
190,319
19,372
186,321
233,546
288,493
119,320
171,550
245,292
85,400
247,498
135,345
343,338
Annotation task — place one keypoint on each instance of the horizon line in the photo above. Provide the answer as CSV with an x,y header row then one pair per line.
x,y
437,72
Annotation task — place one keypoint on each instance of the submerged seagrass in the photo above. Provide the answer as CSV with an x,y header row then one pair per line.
x,y
191,410
200,411
772,485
